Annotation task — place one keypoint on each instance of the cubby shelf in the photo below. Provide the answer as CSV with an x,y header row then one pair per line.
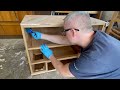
x,y
47,24
58,58
49,45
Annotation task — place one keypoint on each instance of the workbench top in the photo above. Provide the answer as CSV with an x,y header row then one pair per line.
x,y
50,21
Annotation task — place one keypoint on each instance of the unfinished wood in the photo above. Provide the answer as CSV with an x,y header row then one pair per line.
x,y
50,66
113,19
46,65
36,73
117,20
100,27
49,45
51,31
35,44
58,58
116,35
49,25
37,56
99,14
117,31
61,53
39,67
50,21
25,42
28,39
8,16
42,21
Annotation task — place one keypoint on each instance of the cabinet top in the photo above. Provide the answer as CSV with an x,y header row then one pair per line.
x,y
50,21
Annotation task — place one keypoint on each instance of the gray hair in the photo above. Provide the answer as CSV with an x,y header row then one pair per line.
x,y
83,19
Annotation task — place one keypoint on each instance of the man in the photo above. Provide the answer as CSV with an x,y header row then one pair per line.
x,y
100,54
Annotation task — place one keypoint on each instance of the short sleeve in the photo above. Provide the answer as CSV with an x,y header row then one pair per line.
x,y
85,68
73,69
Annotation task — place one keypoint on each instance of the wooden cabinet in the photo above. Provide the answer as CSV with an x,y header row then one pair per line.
x,y
8,16
49,24
10,22
1,30
11,29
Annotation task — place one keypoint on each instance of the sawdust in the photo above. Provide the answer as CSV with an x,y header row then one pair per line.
x,y
18,53
2,60
23,58
1,67
22,63
1,55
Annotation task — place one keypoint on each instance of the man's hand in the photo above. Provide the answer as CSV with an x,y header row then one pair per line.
x,y
46,51
35,35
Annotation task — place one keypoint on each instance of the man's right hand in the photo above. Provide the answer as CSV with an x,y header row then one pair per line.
x,y
36,35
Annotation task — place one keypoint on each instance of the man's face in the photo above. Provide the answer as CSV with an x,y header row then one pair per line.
x,y
71,25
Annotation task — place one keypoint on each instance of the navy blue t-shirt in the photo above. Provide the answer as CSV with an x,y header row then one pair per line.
x,y
99,60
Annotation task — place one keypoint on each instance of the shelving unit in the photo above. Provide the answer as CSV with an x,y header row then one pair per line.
x,y
48,24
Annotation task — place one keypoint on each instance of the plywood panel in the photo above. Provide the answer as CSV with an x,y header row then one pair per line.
x,y
39,67
49,25
51,21
37,43
61,53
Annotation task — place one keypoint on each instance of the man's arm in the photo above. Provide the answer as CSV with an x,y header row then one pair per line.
x,y
59,39
63,69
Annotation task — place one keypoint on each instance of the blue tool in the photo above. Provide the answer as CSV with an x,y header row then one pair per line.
x,y
29,30
36,35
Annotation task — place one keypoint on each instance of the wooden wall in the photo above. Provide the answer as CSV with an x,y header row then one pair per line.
x,y
10,22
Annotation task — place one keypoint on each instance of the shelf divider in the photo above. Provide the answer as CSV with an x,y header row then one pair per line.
x,y
49,45
58,58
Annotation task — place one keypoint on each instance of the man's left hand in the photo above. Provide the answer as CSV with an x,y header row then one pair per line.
x,y
46,51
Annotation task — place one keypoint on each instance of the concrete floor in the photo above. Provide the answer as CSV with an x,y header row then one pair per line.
x,y
14,65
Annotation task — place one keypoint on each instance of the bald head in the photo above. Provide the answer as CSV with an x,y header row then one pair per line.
x,y
80,19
